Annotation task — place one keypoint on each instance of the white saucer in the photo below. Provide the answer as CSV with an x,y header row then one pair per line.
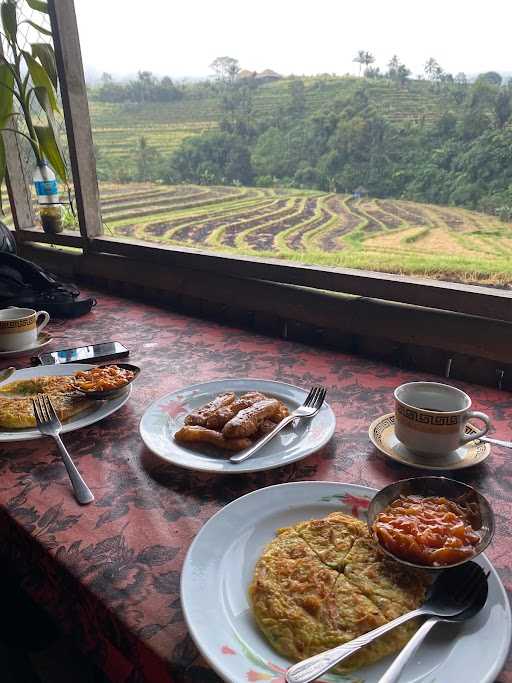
x,y
43,339
382,435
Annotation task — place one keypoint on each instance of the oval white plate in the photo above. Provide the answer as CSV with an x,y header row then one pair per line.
x,y
102,410
165,416
218,570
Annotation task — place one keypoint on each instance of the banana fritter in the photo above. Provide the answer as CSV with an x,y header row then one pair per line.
x,y
324,582
232,423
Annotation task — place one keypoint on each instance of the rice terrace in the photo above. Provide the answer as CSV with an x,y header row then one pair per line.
x,y
315,227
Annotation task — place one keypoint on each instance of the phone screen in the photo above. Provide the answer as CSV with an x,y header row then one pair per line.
x,y
105,350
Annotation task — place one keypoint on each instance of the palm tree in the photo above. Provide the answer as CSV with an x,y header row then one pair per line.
x,y
432,69
360,59
368,59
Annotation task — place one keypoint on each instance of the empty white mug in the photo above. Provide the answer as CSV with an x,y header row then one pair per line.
x,y
20,327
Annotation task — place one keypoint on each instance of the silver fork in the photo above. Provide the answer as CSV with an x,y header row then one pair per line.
x,y
49,424
309,408
452,593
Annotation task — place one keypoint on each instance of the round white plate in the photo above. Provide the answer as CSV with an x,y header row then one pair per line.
x,y
382,435
166,415
43,339
218,570
98,412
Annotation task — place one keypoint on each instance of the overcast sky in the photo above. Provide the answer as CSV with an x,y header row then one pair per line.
x,y
292,36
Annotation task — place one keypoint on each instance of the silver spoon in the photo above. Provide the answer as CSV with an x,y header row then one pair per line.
x,y
392,675
498,442
452,593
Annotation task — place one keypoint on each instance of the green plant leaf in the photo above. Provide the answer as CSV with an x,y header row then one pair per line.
x,y
41,29
6,94
9,22
41,79
45,54
38,5
51,151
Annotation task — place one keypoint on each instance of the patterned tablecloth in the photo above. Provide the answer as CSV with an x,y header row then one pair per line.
x,y
110,572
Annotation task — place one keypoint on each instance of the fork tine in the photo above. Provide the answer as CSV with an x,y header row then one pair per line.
x,y
49,407
309,397
35,408
321,397
42,408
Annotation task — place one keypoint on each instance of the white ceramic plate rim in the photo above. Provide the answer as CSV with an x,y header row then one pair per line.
x,y
104,409
490,676
28,349
417,465
253,464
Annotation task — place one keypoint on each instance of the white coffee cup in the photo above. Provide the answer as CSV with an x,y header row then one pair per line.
x,y
20,327
431,418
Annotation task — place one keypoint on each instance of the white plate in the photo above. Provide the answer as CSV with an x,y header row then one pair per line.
x,y
43,339
218,570
103,408
165,416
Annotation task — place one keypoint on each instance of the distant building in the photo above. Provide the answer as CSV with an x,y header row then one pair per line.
x,y
245,73
263,77
360,192
268,75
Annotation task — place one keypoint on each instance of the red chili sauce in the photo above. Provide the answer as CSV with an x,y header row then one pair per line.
x,y
432,531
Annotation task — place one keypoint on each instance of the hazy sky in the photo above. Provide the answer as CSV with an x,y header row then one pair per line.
x,y
181,38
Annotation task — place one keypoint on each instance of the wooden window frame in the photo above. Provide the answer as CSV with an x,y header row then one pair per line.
x,y
485,302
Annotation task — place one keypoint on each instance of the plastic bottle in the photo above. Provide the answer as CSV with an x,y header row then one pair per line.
x,y
47,192
45,182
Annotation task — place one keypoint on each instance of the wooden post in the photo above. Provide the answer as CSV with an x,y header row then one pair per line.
x,y
76,114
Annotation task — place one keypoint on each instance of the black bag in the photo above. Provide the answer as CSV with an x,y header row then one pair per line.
x,y
25,284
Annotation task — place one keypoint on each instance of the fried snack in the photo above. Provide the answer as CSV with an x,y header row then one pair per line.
x,y
265,427
219,418
197,434
247,421
323,582
281,412
201,415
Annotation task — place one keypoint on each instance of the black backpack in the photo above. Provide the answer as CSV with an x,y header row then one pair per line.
x,y
25,284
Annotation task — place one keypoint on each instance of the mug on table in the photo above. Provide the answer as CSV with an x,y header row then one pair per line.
x,y
431,418
20,327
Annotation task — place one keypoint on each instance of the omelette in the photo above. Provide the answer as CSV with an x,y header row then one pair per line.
x,y
15,400
324,582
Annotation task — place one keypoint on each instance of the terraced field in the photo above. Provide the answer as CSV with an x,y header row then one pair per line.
x,y
314,227
117,127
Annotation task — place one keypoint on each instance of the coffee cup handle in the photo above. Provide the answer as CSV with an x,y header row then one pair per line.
x,y
44,323
481,416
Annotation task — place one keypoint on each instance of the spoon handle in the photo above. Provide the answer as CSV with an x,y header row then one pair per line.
x,y
393,673
312,668
498,442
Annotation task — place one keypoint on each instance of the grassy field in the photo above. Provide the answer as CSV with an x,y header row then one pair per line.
x,y
314,227
118,127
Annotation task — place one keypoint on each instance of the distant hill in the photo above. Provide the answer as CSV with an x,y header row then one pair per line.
x,y
117,127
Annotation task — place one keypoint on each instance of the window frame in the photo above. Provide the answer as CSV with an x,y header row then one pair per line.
x,y
485,302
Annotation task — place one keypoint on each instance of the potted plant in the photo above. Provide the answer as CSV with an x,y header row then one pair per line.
x,y
28,85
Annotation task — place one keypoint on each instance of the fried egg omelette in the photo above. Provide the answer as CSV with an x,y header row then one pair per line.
x,y
15,400
324,582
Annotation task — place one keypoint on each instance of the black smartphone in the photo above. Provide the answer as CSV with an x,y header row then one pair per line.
x,y
82,354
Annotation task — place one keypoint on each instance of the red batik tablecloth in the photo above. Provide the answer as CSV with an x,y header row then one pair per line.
x,y
110,572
